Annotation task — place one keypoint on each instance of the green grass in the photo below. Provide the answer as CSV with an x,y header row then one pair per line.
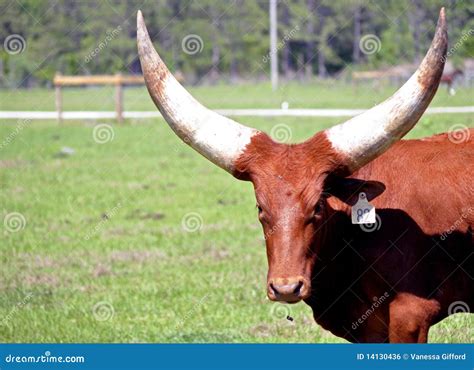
x,y
322,94
165,284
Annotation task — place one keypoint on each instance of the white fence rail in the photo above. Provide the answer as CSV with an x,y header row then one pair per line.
x,y
74,115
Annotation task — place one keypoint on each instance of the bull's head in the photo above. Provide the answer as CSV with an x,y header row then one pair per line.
x,y
296,186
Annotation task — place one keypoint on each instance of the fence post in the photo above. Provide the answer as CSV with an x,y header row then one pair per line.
x,y
59,98
119,98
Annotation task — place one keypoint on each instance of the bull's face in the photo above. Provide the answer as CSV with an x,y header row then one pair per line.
x,y
290,208
291,215
298,190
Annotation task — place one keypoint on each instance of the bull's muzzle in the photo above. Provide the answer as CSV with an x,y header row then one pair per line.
x,y
290,290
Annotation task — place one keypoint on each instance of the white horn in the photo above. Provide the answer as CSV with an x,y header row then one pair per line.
x,y
219,139
368,135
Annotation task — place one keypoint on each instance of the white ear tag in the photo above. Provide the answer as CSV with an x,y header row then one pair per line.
x,y
363,212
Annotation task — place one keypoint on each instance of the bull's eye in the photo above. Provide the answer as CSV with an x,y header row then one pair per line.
x,y
318,208
259,209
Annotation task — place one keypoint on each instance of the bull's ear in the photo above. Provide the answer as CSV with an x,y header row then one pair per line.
x,y
348,189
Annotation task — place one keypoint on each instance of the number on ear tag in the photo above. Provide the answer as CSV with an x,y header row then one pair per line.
x,y
363,212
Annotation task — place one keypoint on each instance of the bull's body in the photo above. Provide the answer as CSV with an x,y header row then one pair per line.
x,y
418,263
420,260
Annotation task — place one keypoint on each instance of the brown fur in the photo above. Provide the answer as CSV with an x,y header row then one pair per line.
x,y
420,259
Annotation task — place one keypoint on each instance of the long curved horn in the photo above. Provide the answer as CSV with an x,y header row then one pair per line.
x,y
219,139
368,135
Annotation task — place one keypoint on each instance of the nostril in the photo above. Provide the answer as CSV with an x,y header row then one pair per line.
x,y
298,288
273,289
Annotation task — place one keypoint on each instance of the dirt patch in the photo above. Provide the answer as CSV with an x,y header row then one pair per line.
x,y
208,253
101,270
217,254
38,261
118,231
41,279
226,202
262,330
153,216
137,256
144,215
12,163
137,186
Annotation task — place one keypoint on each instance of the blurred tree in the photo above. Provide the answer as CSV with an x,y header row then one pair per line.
x,y
315,36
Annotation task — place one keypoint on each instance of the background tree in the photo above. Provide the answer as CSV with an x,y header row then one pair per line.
x,y
316,37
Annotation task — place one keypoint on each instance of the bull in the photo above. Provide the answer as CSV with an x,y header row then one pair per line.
x,y
388,285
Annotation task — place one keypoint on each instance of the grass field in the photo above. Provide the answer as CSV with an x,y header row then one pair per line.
x,y
107,250
322,94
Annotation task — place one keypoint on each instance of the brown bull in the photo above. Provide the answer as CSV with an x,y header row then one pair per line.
x,y
388,281
449,78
